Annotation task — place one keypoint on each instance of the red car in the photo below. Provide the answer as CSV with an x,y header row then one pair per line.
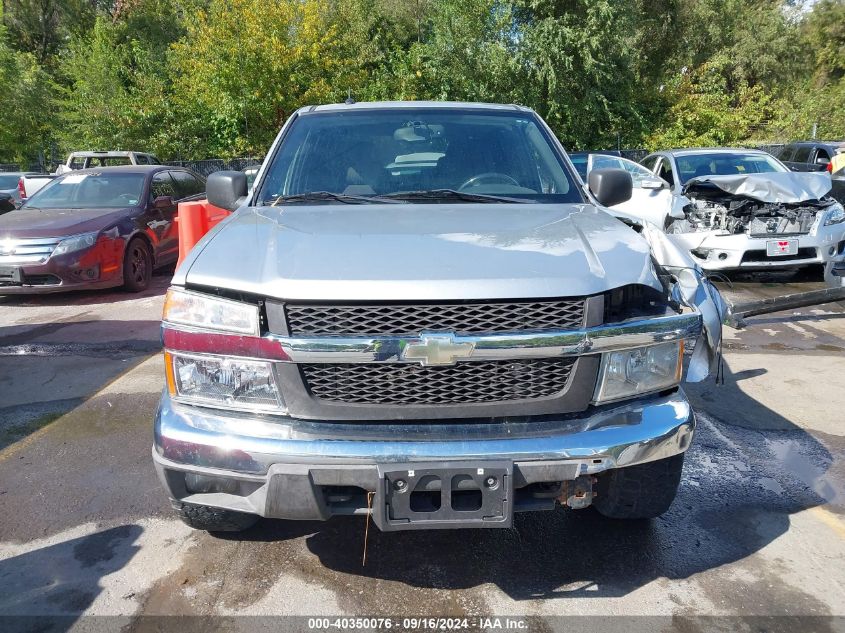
x,y
95,228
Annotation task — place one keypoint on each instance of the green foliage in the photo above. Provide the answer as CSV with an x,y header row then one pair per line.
x,y
245,65
705,114
25,124
118,89
201,78
40,27
578,67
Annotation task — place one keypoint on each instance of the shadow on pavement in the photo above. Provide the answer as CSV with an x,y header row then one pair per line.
x,y
49,588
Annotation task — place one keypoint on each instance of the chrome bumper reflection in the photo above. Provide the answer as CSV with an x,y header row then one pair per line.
x,y
202,440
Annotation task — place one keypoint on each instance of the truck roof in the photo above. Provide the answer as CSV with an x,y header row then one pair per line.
x,y
106,154
393,105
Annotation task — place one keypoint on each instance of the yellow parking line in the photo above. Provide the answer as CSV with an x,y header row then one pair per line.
x,y
830,519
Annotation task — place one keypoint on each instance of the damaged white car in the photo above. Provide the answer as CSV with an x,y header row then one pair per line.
x,y
743,209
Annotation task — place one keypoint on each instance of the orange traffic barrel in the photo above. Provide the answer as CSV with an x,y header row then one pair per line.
x,y
195,219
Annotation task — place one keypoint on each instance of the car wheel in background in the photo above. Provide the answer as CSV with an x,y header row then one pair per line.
x,y
137,266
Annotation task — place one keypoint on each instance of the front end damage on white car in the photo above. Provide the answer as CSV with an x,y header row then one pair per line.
x,y
761,221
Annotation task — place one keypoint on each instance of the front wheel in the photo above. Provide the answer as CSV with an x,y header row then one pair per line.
x,y
213,519
644,491
137,266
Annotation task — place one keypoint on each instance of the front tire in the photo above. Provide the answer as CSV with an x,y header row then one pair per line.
x,y
137,266
644,491
213,519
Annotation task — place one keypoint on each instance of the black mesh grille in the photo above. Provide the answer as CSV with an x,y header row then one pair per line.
x,y
462,318
463,383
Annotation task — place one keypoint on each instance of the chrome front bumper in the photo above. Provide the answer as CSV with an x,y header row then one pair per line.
x,y
286,469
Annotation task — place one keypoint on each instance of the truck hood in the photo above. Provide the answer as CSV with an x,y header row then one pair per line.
x,y
32,222
772,187
419,252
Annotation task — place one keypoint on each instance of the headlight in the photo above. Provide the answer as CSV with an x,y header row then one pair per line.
x,y
217,380
183,307
641,370
76,243
835,215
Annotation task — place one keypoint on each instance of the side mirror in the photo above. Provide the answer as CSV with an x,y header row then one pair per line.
x,y
163,202
653,183
610,186
226,189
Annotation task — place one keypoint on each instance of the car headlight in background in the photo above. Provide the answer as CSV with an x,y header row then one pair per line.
x,y
234,383
76,243
835,215
183,307
640,370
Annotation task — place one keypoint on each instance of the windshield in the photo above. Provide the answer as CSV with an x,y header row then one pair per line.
x,y
8,181
440,151
724,164
90,191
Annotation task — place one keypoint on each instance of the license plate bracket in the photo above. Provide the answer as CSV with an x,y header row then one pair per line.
x,y
11,275
781,248
444,495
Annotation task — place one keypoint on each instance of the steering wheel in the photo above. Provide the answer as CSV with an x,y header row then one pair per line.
x,y
489,177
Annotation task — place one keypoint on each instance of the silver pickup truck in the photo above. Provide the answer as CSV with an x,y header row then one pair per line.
x,y
421,313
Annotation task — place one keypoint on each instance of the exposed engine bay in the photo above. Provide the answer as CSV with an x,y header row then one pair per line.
x,y
758,205
732,214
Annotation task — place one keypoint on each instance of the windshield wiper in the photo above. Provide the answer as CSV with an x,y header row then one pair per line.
x,y
449,194
323,196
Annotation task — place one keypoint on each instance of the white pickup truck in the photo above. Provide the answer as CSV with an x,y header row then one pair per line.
x,y
31,183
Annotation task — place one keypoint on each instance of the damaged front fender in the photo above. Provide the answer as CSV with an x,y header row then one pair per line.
x,y
690,288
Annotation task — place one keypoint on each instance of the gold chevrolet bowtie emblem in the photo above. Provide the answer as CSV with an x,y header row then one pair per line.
x,y
437,349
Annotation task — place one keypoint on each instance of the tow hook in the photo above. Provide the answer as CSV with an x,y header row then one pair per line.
x,y
577,494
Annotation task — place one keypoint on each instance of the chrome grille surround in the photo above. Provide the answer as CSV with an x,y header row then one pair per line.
x,y
410,319
34,250
463,383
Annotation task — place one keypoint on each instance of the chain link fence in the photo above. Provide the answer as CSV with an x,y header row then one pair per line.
x,y
206,167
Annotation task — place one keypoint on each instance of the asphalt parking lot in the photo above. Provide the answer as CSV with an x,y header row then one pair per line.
x,y
758,528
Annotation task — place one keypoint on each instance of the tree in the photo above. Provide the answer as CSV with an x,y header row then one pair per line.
x,y
41,27
578,69
245,65
119,90
24,126
705,114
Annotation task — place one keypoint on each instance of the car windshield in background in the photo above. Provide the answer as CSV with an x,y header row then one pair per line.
x,y
724,164
639,174
580,163
435,152
90,191
8,182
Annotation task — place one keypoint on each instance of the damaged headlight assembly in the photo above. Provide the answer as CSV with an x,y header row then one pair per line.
x,y
207,342
835,215
638,371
